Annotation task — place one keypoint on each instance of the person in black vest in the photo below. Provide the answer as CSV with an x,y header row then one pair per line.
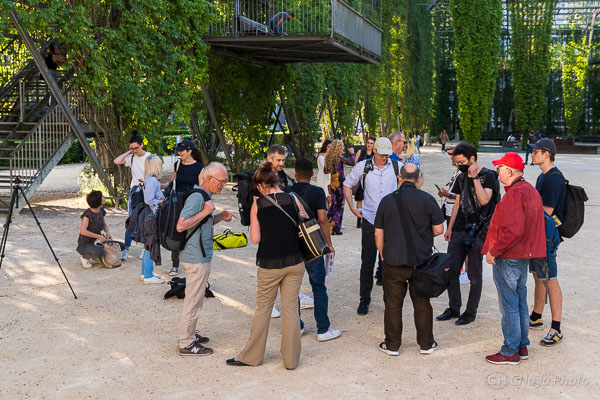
x,y
422,213
477,192
314,197
186,174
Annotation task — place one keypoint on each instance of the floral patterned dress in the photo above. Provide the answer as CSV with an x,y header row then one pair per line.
x,y
336,191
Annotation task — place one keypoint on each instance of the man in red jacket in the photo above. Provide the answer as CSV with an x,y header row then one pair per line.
x,y
515,235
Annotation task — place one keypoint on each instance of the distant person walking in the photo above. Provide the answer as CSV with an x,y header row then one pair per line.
x,y
444,139
531,139
276,23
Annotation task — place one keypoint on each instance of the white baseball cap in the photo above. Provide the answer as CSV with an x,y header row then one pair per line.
x,y
383,146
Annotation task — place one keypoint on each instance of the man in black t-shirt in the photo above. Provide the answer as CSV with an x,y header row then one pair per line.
x,y
477,193
553,189
425,220
314,198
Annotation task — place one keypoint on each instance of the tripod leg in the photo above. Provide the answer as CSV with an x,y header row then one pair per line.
x,y
45,238
13,199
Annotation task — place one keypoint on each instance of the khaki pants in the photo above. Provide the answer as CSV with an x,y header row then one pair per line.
x,y
196,276
288,280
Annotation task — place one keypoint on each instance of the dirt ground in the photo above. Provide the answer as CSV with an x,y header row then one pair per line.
x,y
118,339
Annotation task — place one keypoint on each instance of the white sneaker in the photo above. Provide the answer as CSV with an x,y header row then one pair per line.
x,y
330,334
431,350
304,330
141,256
124,255
154,279
86,262
275,313
306,302
156,276
463,278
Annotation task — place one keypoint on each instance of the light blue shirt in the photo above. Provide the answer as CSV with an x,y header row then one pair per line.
x,y
378,183
192,253
152,192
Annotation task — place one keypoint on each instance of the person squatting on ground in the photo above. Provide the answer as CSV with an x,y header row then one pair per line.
x,y
477,193
516,234
276,23
133,158
197,254
424,215
92,225
380,181
334,164
186,174
153,198
314,198
552,187
280,266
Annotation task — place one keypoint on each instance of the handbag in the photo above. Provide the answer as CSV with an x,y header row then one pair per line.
x,y
112,254
312,240
229,240
432,277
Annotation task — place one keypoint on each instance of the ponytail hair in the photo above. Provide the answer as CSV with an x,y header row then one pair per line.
x,y
198,156
266,176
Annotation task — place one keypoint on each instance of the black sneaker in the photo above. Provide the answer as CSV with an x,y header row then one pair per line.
x,y
195,349
201,339
363,308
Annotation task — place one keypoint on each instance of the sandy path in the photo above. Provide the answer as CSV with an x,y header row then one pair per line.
x,y
118,340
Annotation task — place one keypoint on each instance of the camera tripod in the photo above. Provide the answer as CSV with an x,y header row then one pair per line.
x,y
14,201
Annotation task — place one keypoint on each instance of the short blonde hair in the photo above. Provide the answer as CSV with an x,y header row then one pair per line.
x,y
153,167
409,148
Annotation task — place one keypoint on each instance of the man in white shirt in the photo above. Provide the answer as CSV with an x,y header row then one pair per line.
x,y
133,158
380,179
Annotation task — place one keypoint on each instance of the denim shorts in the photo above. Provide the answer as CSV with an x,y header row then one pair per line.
x,y
537,265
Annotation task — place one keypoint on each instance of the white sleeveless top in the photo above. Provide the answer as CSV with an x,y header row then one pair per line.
x,y
323,179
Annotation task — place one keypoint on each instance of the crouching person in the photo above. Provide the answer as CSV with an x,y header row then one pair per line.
x,y
195,258
92,225
516,234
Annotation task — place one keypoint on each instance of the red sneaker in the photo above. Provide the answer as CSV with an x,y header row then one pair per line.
x,y
523,353
499,358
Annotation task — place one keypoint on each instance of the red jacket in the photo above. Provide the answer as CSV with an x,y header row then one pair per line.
x,y
517,227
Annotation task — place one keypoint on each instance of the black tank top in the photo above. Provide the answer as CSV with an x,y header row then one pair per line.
x,y
364,155
279,246
187,176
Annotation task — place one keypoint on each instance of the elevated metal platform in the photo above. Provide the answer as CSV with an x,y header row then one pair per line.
x,y
319,32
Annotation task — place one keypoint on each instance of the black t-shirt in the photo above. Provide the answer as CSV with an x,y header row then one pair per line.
x,y
531,139
95,225
553,190
422,211
49,62
187,176
313,196
488,180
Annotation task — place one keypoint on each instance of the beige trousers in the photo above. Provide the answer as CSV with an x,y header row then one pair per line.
x,y
196,276
288,280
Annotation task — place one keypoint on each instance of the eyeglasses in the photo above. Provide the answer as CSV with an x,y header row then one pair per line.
x,y
500,168
134,148
221,181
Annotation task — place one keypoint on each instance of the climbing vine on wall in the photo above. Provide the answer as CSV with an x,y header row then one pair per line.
x,y
477,44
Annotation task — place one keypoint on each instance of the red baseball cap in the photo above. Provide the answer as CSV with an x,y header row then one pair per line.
x,y
512,160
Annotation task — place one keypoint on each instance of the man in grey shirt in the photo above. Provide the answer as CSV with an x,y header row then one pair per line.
x,y
276,23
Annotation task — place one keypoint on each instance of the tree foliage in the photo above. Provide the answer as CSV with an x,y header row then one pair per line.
x,y
477,44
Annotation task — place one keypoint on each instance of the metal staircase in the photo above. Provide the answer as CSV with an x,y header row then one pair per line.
x,y
35,132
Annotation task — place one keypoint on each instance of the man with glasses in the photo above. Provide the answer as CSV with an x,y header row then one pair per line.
x,y
516,234
398,140
477,193
379,178
552,187
197,254
133,158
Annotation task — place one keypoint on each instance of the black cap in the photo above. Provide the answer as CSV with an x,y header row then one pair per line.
x,y
185,144
545,144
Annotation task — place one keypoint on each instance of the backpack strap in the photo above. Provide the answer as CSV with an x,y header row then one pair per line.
x,y
366,170
396,167
201,223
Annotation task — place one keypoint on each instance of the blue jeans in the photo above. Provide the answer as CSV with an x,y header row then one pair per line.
x,y
527,153
147,265
127,234
276,29
510,277
316,277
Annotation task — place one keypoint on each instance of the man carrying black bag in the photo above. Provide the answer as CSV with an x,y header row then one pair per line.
x,y
426,221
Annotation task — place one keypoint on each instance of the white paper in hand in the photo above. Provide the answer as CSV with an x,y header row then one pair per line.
x,y
329,264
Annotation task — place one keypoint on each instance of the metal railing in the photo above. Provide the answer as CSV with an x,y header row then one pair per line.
x,y
311,17
351,25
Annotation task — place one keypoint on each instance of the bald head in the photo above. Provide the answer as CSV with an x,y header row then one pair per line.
x,y
409,172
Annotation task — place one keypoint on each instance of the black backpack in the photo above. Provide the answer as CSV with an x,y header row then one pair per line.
x,y
167,217
574,208
244,195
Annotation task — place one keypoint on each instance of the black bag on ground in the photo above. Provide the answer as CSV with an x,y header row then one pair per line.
x,y
168,215
432,277
178,289
244,195
574,209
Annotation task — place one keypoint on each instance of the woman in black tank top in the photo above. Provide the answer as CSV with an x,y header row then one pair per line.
x,y
280,266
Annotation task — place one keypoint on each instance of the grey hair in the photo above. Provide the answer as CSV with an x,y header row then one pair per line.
x,y
394,135
153,166
211,169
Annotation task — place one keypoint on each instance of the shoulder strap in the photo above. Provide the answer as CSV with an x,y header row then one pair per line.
x,y
282,210
556,173
188,236
301,200
175,179
396,167
408,238
368,167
